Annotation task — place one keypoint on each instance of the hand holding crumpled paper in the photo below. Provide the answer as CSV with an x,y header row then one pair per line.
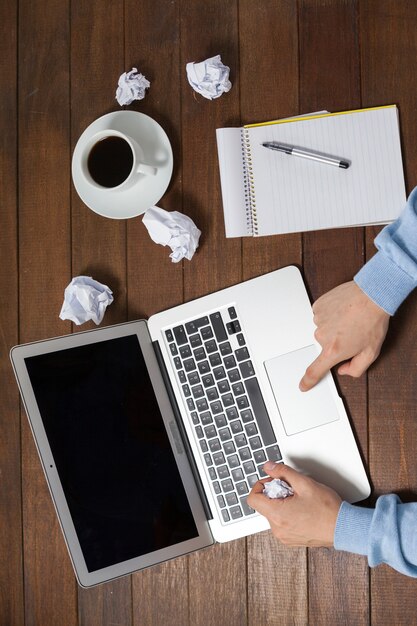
x,y
210,78
173,229
131,87
85,299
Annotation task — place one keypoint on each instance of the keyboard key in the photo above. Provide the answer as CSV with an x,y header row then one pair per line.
x,y
195,341
180,336
259,408
223,472
225,348
218,458
238,389
228,400
201,405
242,354
181,376
236,427
252,480
261,472
195,418
247,510
242,488
246,415
203,445
233,327
199,354
236,512
231,499
233,461
232,413
221,502
229,361
211,346
246,369
225,515
186,391
189,365
212,394
240,440
240,339
216,407
206,418
249,467
215,445
207,459
234,375
223,386
210,431
220,420
227,485
245,454
251,430
203,367
185,351
229,447
232,313
198,391
255,443
273,453
242,402
237,476
199,432
193,378
206,333
190,404
207,380
219,373
216,485
218,326
173,348
169,335
225,434
177,363
215,359
259,456
191,327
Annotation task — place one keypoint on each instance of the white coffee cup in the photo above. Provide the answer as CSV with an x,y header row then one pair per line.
x,y
138,169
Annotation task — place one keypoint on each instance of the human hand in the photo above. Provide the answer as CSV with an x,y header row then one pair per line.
x,y
350,327
308,518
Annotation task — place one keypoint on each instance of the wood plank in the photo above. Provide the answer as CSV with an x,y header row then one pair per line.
x,y
206,30
44,262
389,42
98,243
282,599
11,574
160,594
330,79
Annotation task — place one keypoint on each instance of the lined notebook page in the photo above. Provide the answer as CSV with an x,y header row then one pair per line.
x,y
294,194
229,147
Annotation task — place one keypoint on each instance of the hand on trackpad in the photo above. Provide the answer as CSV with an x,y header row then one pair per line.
x,y
300,410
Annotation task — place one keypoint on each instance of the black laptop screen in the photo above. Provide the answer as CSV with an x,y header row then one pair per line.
x,y
111,450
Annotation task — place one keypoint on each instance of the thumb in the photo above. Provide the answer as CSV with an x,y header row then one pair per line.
x,y
284,472
356,366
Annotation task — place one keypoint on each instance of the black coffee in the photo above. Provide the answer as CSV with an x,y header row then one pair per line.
x,y
110,161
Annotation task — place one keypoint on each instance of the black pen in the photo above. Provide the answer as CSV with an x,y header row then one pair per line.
x,y
307,154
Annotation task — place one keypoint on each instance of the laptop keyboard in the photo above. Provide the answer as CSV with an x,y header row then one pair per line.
x,y
225,405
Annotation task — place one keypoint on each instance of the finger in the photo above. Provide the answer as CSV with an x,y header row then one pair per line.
x,y
284,472
356,366
315,372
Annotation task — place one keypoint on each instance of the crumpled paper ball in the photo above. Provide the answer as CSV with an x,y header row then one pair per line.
x,y
210,78
131,87
173,229
85,299
277,488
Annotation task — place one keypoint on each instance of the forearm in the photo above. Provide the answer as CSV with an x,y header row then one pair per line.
x,y
386,534
390,276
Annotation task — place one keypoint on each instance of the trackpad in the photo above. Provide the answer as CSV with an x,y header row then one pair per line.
x,y
300,410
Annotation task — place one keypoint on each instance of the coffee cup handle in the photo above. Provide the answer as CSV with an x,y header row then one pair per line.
x,y
142,168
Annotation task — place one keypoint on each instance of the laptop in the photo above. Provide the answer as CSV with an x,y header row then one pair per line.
x,y
152,433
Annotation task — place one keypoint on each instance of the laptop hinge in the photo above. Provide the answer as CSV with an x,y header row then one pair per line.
x,y
183,434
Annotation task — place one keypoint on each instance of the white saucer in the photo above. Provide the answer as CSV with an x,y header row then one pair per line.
x,y
149,189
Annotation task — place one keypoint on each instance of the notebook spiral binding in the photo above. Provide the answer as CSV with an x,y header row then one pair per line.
x,y
249,186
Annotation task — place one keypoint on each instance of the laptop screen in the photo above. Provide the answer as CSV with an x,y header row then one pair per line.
x,y
111,450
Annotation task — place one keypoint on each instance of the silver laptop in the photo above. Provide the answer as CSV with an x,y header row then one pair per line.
x,y
151,434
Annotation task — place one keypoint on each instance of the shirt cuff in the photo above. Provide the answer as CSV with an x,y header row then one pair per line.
x,y
384,282
352,529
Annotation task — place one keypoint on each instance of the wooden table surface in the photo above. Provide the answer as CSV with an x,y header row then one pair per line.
x,y
60,61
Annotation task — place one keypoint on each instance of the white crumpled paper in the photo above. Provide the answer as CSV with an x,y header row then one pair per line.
x,y
210,78
85,299
131,87
277,488
173,229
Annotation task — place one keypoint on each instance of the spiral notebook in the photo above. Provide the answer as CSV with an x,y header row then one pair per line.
x,y
266,192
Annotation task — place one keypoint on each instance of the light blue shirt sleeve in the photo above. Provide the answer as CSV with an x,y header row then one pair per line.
x,y
386,534
391,274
